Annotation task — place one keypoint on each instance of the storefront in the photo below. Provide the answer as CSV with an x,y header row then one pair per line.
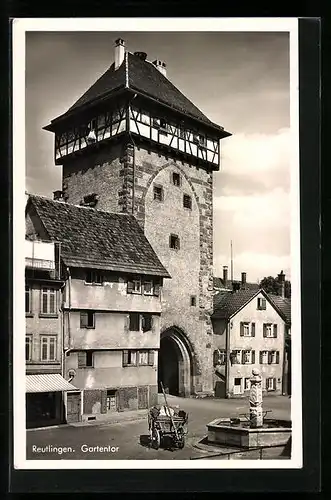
x,y
45,399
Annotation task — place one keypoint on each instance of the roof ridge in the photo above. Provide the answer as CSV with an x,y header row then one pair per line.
x,y
80,206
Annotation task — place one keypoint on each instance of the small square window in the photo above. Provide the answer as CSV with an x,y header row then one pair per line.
x,y
261,303
134,322
146,322
174,242
187,201
94,277
148,287
143,358
87,319
193,300
132,357
158,193
176,179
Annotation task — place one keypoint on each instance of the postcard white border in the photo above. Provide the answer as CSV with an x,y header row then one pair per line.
x,y
20,27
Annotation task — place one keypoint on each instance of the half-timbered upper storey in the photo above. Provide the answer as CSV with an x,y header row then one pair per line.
x,y
135,97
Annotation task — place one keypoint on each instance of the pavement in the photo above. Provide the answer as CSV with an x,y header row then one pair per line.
x,y
124,436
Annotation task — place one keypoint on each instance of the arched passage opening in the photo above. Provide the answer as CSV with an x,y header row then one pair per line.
x,y
176,363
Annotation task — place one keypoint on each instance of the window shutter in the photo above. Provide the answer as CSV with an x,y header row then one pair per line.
x,y
150,358
275,387
241,329
253,329
261,357
264,304
125,358
215,357
130,286
83,319
275,330
269,357
126,323
81,359
103,401
277,357
253,357
264,330
156,289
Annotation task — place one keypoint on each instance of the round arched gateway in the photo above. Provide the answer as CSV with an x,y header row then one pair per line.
x,y
176,365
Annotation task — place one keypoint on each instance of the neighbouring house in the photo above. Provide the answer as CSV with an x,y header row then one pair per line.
x,y
283,305
249,332
111,305
45,385
134,144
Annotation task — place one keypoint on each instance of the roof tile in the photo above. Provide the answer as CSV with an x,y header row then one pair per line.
x,y
98,239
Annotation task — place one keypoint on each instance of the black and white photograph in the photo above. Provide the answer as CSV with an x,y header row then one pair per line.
x,y
157,235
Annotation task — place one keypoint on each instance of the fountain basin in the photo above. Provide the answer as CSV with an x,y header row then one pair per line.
x,y
272,433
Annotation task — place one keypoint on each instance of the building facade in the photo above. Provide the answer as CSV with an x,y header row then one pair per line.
x,y
249,332
45,386
137,145
110,306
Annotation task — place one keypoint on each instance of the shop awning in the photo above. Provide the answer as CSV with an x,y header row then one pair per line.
x,y
52,382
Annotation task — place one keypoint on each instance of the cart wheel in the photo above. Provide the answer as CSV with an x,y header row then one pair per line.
x,y
181,442
155,439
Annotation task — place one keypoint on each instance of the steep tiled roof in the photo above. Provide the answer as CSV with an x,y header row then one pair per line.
x,y
97,239
143,77
219,284
283,305
228,303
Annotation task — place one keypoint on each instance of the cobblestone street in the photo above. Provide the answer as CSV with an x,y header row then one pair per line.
x,y
128,439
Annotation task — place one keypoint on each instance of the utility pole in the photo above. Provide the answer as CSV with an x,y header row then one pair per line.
x,y
231,264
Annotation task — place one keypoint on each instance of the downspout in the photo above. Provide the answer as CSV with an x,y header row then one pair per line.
x,y
68,314
227,364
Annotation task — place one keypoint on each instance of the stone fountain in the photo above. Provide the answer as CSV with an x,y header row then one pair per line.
x,y
254,430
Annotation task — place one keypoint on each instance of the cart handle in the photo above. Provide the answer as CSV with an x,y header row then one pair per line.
x,y
166,402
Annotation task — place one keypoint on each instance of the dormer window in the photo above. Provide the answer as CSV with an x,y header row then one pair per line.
x,y
90,200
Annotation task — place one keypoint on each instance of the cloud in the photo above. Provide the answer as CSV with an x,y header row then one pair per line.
x,y
271,209
254,163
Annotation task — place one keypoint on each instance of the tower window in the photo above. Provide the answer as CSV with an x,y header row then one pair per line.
x,y
174,242
187,201
193,300
158,192
176,179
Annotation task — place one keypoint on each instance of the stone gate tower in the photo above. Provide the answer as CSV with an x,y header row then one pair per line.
x,y
139,145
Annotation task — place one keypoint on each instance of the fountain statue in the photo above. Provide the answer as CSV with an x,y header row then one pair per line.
x,y
255,400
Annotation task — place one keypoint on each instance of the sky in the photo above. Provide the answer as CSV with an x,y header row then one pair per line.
x,y
240,80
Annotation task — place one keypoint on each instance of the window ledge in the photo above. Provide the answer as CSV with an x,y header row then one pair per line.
x,y
88,327
92,284
31,362
48,315
29,315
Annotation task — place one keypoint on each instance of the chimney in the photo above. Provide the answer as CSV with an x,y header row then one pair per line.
x,y
58,195
281,281
161,66
141,55
119,52
243,280
225,276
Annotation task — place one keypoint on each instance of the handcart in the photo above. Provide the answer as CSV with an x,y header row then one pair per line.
x,y
171,425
